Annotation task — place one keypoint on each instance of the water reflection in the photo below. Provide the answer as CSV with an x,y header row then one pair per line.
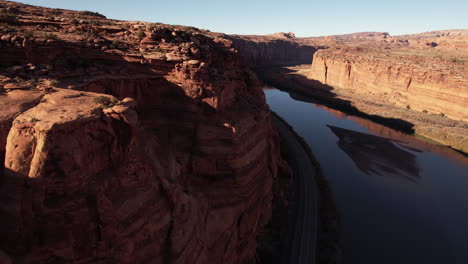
x,y
409,141
377,155
414,213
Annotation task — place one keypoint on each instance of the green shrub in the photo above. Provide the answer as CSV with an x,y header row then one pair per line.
x,y
91,33
18,79
55,12
28,34
90,13
50,36
74,95
105,101
116,43
54,83
50,28
96,22
140,34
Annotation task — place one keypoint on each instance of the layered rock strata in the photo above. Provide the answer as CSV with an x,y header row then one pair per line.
x,y
130,143
276,49
416,86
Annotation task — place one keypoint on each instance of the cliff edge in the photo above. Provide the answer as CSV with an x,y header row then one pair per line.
x,y
128,142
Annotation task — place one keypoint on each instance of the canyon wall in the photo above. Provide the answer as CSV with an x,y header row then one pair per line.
x,y
416,86
130,148
273,50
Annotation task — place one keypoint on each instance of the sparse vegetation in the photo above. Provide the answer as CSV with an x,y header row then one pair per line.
x,y
116,43
96,22
425,111
408,107
442,114
90,13
75,22
33,119
73,95
105,101
3,14
7,17
56,12
50,28
54,83
91,33
28,34
140,34
50,36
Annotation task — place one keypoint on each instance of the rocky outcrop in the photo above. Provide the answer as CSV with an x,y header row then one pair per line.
x,y
12,104
286,35
417,86
152,144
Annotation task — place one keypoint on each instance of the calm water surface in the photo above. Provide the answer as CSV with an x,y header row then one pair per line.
x,y
400,199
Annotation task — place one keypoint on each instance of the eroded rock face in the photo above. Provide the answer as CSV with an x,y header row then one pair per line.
x,y
420,87
13,103
143,158
276,49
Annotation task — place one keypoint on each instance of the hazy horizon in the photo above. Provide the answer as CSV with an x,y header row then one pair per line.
x,y
335,17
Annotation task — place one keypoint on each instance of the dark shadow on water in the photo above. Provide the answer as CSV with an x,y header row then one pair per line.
x,y
303,89
377,155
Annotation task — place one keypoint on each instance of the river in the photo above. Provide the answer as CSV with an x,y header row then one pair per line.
x,y
400,199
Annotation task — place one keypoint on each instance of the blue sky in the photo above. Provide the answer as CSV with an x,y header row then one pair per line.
x,y
305,18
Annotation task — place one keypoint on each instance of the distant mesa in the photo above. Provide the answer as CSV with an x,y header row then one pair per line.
x,y
288,35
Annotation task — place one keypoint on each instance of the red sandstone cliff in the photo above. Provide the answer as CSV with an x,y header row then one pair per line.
x,y
175,164
276,49
419,83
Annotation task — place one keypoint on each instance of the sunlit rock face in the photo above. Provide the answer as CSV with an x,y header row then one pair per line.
x,y
424,84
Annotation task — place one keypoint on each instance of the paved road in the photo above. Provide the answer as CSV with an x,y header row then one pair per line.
x,y
303,231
